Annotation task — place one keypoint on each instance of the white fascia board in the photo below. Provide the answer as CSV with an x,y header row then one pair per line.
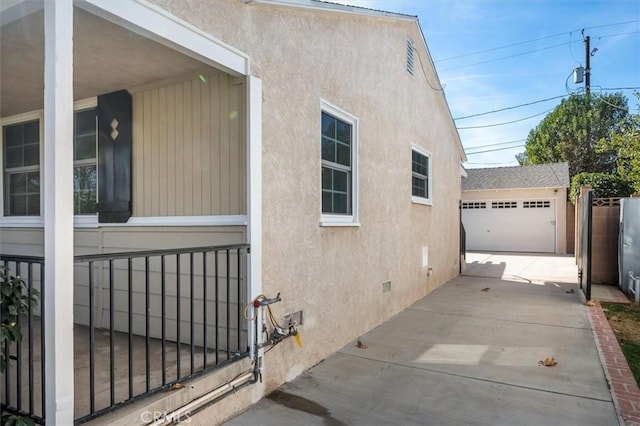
x,y
463,171
12,10
157,24
514,189
334,7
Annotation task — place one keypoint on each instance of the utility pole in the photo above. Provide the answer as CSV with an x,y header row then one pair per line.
x,y
587,70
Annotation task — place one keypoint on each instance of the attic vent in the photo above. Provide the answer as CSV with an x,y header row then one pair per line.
x,y
410,56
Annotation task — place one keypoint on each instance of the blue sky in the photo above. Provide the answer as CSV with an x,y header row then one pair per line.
x,y
533,71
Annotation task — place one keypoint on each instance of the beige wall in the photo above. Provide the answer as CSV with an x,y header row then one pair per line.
x,y
335,275
559,195
571,227
189,149
604,243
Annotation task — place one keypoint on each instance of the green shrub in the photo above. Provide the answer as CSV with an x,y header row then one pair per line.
x,y
604,185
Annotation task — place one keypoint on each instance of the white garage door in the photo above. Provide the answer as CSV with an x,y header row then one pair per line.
x,y
522,225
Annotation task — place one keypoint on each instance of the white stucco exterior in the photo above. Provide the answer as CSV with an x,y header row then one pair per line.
x,y
292,63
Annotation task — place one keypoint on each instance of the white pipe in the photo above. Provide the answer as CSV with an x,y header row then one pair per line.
x,y
183,412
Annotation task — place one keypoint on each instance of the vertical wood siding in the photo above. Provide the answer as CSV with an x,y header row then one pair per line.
x,y
189,148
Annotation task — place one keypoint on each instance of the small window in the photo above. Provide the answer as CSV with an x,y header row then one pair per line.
x,y
504,204
536,204
420,176
21,153
474,205
338,158
410,56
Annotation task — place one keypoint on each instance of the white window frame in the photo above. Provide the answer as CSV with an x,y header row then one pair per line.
x,y
339,219
90,220
422,200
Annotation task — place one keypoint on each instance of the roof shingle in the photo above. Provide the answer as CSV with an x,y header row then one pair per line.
x,y
553,175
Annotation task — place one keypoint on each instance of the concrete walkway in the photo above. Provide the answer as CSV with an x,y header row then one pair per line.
x,y
467,354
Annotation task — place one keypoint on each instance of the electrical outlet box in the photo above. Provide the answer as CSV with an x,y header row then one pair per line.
x,y
386,286
294,318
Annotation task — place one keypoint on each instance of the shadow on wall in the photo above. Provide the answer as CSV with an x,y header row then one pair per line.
x,y
485,269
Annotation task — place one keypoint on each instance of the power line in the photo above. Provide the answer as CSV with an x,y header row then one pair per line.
x,y
507,122
532,51
620,88
511,107
496,149
510,56
495,144
534,40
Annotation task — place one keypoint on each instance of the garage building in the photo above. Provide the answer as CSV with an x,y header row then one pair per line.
x,y
516,209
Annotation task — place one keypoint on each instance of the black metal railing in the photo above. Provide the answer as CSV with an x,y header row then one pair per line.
x,y
23,380
145,321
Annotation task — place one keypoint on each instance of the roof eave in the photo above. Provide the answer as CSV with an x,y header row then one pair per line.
x,y
335,7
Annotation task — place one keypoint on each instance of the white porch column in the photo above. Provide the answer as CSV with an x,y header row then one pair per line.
x,y
58,210
254,193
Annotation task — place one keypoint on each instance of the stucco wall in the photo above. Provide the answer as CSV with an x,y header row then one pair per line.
x,y
559,195
335,275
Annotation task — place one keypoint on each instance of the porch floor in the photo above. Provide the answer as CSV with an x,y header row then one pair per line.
x,y
122,388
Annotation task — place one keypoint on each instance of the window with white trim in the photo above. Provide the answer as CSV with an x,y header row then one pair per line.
x,y
339,165
21,165
420,176
20,150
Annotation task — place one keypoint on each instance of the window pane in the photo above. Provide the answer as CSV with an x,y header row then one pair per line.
x,y
328,126
85,122
419,187
13,157
13,135
18,205
344,154
85,147
33,204
419,163
328,150
33,182
327,179
344,132
84,189
31,155
32,132
340,203
327,205
340,181
18,183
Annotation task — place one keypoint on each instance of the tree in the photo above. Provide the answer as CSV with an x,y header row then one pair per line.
x,y
572,131
626,142
604,185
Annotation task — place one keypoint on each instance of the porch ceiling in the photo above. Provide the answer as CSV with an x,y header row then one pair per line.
x,y
107,57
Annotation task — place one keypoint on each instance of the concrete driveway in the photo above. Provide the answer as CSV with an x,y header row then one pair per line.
x,y
467,354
